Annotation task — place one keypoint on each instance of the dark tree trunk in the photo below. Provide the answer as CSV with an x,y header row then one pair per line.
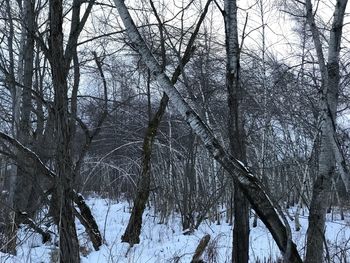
x,y
24,181
240,253
133,230
63,210
241,227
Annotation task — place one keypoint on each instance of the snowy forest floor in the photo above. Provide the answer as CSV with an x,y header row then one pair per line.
x,y
167,243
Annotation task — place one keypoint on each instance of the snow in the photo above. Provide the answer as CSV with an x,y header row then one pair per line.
x,y
166,242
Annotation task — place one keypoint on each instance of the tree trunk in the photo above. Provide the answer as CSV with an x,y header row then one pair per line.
x,y
330,82
240,253
22,181
8,244
248,183
63,210
133,230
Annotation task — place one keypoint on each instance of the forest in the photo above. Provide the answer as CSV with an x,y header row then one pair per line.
x,y
129,127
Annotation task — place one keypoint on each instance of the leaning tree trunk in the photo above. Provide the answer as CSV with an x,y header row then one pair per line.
x,y
249,184
133,229
240,253
330,84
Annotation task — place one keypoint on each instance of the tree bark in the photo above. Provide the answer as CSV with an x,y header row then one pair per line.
x,y
240,253
248,183
62,204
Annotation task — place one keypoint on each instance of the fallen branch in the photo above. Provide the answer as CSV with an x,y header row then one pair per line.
x,y
25,219
46,237
88,221
85,216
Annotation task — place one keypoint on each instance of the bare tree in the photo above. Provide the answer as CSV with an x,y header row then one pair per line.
x,y
133,229
248,183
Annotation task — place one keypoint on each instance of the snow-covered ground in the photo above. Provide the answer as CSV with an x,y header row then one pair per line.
x,y
166,242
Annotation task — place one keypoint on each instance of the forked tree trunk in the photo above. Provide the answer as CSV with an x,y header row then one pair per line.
x,y
248,183
330,85
63,210
60,59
